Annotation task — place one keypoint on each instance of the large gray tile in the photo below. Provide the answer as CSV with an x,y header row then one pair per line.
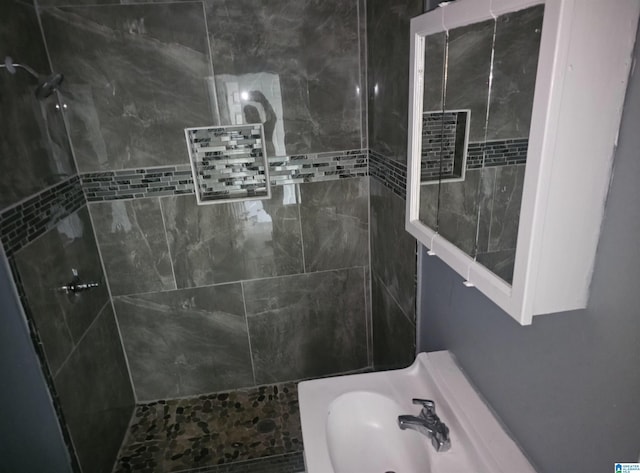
x,y
394,335
468,70
362,91
335,224
388,80
393,250
45,265
505,215
133,245
96,395
33,139
186,342
434,73
136,76
515,64
234,241
368,314
299,60
459,207
428,210
307,325
485,201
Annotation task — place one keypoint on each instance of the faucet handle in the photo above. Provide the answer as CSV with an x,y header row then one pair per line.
x,y
427,404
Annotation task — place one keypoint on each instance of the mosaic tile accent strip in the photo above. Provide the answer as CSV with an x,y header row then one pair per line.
x,y
24,222
316,167
443,140
175,180
392,174
288,463
138,183
497,153
212,430
228,162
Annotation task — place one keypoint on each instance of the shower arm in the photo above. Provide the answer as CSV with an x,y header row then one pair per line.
x,y
45,88
10,66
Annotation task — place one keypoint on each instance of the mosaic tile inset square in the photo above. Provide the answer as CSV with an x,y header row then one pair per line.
x,y
228,162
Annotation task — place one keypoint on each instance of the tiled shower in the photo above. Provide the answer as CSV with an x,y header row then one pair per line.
x,y
212,312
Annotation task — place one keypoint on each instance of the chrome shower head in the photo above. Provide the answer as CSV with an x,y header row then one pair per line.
x,y
50,85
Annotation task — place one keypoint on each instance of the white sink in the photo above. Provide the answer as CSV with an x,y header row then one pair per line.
x,y
363,435
350,423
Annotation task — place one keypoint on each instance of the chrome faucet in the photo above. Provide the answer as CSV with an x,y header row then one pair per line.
x,y
429,424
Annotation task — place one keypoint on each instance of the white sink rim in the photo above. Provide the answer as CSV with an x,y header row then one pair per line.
x,y
476,434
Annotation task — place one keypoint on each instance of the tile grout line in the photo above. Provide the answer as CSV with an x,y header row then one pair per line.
x,y
113,306
304,260
213,98
370,292
238,281
366,314
76,345
362,89
395,300
365,92
246,321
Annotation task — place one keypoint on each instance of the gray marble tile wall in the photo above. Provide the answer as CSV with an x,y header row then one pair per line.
x,y
231,295
468,71
394,334
34,149
517,45
137,74
291,326
393,250
393,268
312,48
186,342
46,232
78,333
387,74
200,290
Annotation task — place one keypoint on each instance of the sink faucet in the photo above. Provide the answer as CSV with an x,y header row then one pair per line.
x,y
429,424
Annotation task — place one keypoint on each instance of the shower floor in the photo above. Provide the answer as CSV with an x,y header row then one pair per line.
x,y
250,430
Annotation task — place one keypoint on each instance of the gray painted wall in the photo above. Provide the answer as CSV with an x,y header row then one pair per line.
x,y
31,437
568,386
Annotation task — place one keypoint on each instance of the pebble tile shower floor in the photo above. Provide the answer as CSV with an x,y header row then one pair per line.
x,y
253,430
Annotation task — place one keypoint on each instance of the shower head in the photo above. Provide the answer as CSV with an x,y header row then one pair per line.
x,y
44,89
50,85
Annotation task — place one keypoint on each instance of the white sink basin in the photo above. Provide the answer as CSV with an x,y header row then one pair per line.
x,y
350,423
363,435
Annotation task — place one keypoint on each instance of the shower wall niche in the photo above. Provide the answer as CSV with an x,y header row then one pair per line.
x,y
228,163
